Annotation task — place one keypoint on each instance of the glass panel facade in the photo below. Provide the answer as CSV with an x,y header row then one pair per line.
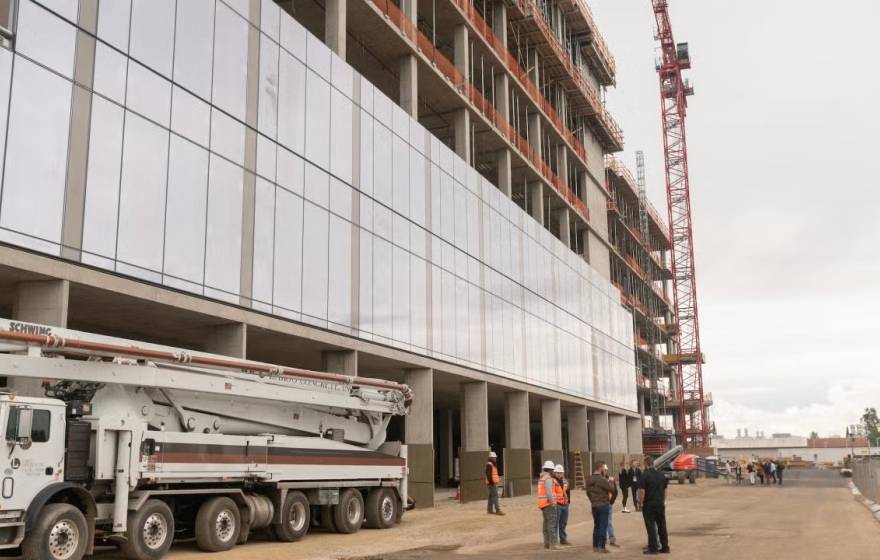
x,y
363,222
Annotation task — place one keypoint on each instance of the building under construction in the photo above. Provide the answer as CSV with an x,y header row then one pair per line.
x,y
414,191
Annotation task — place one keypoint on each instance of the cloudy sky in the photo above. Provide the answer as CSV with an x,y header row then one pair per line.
x,y
785,185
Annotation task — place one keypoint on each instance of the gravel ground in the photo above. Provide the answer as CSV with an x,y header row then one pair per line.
x,y
812,516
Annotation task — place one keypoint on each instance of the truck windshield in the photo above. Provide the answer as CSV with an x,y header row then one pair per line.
x,y
39,428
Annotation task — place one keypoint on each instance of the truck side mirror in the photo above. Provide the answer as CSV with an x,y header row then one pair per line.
x,y
25,425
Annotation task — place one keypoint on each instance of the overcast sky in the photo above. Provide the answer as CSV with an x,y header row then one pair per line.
x,y
785,186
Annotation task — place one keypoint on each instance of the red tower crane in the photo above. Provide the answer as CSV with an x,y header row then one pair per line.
x,y
692,424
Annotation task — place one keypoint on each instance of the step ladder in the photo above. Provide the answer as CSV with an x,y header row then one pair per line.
x,y
580,481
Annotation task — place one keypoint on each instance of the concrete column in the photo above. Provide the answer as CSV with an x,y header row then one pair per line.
x,y
474,440
551,431
562,164
462,126
499,21
634,436
618,437
585,243
536,201
583,178
535,132
518,443
564,219
410,9
340,361
600,437
502,95
45,302
534,60
229,339
578,438
409,85
505,179
461,50
419,436
335,26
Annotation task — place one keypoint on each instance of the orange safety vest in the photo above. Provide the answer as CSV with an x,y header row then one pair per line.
x,y
560,492
495,478
543,501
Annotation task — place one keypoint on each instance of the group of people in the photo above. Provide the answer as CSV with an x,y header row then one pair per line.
x,y
648,488
767,471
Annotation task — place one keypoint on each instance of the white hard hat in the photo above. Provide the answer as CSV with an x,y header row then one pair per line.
x,y
493,455
559,468
549,465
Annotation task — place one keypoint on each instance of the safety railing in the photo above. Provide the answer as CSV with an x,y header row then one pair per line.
x,y
522,76
531,11
622,171
424,45
598,39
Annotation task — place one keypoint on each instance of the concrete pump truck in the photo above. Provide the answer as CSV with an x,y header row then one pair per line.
x,y
137,445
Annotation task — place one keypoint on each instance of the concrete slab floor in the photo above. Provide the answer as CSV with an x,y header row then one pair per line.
x,y
812,516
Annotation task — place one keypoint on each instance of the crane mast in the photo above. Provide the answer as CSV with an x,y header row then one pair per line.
x,y
692,425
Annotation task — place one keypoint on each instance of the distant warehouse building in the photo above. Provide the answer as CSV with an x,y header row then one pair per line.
x,y
413,191
821,451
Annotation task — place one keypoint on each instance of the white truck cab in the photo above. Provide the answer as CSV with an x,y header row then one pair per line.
x,y
32,461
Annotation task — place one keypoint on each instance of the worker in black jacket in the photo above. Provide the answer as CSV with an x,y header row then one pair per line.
x,y
652,494
624,478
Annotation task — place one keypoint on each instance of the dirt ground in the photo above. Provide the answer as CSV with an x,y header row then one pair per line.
x,y
812,516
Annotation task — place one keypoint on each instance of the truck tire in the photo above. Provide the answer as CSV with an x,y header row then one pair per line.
x,y
61,533
295,518
218,525
348,514
150,531
326,519
381,508
692,477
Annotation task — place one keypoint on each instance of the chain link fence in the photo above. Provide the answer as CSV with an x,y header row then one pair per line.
x,y
866,477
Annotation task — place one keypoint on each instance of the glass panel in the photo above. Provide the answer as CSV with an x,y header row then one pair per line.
x,y
230,62
36,152
114,19
400,173
382,182
148,94
290,171
142,199
102,191
267,117
340,136
110,73
185,210
46,38
365,297
417,188
227,137
193,48
223,246
382,288
366,158
152,34
293,37
340,198
339,297
418,299
266,150
317,186
190,116
401,304
264,239
270,16
318,56
64,8
315,233
288,251
5,86
292,103
317,117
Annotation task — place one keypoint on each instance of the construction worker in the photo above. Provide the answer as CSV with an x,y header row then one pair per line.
x,y
652,494
563,499
492,479
600,491
547,505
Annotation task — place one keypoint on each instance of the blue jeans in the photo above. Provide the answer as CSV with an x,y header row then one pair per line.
x,y
562,522
611,537
600,525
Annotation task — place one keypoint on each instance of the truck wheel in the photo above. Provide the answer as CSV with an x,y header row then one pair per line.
x,y
381,509
218,525
326,519
60,533
348,515
692,477
295,518
150,531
